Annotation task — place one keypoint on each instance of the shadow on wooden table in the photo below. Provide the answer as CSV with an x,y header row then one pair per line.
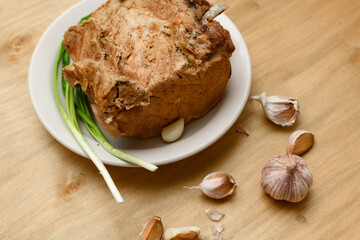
x,y
287,208
168,179
187,172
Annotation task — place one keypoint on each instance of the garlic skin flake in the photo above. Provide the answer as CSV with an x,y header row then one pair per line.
x,y
173,131
182,233
286,177
299,142
214,215
216,232
217,229
241,129
280,110
153,229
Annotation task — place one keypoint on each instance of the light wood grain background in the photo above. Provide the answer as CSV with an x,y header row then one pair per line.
x,y
308,49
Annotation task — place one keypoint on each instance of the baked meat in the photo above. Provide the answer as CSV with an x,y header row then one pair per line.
x,y
147,63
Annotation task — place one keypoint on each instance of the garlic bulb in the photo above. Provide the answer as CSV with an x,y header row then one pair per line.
x,y
217,185
173,131
280,110
286,177
299,142
153,229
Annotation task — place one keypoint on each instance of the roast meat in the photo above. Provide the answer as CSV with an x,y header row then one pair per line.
x,y
147,63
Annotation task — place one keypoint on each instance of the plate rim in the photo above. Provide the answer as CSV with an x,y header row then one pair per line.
x,y
78,150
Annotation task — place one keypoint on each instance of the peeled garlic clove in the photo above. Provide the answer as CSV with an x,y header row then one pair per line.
x,y
214,215
217,185
286,177
153,229
173,131
299,142
182,233
280,110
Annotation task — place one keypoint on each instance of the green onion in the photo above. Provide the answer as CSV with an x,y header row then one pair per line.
x,y
82,110
74,128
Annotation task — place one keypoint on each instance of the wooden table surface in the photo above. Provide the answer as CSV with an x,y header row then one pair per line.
x,y
309,49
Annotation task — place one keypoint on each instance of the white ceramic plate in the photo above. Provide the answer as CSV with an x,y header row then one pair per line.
x,y
198,134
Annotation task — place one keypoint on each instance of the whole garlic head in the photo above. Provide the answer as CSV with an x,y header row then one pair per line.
x,y
280,110
286,177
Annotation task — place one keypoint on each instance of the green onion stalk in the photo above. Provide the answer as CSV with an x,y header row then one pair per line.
x,y
78,106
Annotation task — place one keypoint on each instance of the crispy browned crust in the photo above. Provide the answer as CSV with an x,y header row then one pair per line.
x,y
146,63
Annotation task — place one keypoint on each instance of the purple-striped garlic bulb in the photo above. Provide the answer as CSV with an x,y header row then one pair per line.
x,y
286,177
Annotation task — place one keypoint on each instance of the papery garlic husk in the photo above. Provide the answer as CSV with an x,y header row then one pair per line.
x,y
182,233
217,228
286,177
241,129
153,229
216,231
299,142
214,215
217,185
280,110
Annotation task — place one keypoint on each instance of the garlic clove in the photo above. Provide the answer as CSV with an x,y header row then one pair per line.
x,y
214,11
153,229
182,233
280,110
299,142
214,215
173,131
218,185
286,177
